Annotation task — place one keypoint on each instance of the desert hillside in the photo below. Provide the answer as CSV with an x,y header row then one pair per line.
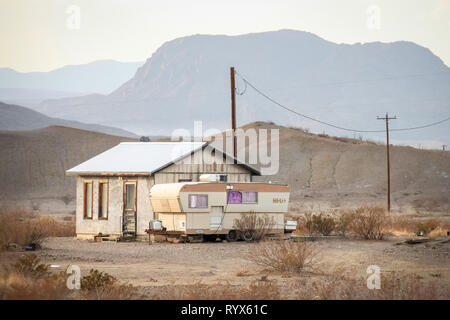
x,y
327,172
323,172
18,118
32,174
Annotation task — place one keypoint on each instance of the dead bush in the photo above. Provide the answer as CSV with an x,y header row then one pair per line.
x,y
30,266
284,256
23,228
97,279
306,222
369,222
323,224
28,279
253,227
341,285
344,221
426,227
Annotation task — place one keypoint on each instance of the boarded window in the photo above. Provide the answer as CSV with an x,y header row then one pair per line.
x,y
198,201
249,197
234,197
88,193
103,200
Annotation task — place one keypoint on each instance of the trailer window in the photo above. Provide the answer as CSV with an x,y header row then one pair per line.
x,y
198,201
234,197
250,197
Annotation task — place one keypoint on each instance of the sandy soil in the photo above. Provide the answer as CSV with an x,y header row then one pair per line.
x,y
141,264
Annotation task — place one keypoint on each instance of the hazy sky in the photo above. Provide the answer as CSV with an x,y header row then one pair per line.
x,y
40,35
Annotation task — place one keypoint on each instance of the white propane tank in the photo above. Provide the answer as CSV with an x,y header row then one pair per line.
x,y
155,225
209,178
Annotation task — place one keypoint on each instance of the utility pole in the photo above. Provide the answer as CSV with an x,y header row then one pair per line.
x,y
386,118
233,111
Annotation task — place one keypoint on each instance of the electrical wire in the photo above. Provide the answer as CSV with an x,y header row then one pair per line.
x,y
330,124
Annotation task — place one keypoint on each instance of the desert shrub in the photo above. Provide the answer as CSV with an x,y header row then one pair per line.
x,y
30,265
323,224
344,221
24,228
284,256
253,227
20,228
340,284
97,279
369,222
29,279
426,227
317,223
306,222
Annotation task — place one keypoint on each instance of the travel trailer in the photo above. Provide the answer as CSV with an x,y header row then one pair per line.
x,y
210,209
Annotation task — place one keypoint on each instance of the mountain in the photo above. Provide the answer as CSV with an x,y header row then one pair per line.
x,y
322,171
32,175
102,76
32,97
17,118
347,85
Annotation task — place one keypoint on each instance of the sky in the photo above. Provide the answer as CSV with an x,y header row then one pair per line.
x,y
42,35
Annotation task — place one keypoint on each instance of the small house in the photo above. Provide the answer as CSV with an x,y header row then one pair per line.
x,y
113,188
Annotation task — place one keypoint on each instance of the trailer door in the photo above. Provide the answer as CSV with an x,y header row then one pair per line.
x,y
216,218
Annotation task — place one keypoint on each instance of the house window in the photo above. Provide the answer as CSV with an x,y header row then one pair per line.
x,y
88,195
223,178
198,201
103,197
234,197
249,197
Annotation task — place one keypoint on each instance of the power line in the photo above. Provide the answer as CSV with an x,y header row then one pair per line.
x,y
330,124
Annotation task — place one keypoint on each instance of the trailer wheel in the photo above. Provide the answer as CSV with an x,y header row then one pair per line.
x,y
232,236
247,236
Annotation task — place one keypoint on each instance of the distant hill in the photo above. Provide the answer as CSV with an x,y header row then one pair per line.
x,y
31,88
187,79
32,97
17,118
323,171
33,167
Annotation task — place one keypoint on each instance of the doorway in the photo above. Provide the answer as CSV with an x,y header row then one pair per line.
x,y
216,218
129,207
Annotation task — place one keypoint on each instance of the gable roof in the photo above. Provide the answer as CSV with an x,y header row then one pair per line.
x,y
144,158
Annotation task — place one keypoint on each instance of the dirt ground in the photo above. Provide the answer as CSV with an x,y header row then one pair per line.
x,y
141,264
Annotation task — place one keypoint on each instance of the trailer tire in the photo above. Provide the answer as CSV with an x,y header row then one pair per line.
x,y
247,236
232,236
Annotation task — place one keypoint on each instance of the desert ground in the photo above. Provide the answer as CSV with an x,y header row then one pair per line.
x,y
163,265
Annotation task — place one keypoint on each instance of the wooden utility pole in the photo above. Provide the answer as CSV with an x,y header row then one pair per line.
x,y
388,160
233,111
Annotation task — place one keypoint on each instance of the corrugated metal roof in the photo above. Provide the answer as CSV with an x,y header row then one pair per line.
x,y
142,158
137,157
